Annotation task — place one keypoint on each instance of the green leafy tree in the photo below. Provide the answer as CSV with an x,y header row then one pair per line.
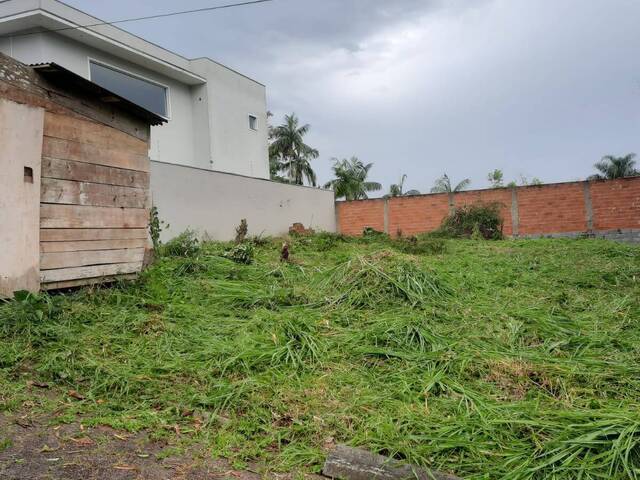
x,y
443,185
496,178
351,179
611,167
397,189
289,154
524,181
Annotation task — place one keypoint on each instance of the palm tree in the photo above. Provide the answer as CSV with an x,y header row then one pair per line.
x,y
351,179
299,167
288,152
443,185
611,167
396,189
275,161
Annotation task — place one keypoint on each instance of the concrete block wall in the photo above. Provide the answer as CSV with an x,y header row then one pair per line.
x,y
606,209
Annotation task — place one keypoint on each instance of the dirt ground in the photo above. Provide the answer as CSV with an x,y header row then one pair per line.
x,y
31,449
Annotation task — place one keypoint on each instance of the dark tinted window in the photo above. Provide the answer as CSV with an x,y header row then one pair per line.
x,y
149,95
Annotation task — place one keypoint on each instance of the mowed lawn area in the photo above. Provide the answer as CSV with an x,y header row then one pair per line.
x,y
486,359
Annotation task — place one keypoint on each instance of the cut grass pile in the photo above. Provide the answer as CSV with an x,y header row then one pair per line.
x,y
506,359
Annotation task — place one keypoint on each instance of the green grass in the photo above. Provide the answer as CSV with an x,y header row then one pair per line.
x,y
506,359
4,444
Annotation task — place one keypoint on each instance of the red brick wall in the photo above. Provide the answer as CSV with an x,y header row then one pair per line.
x,y
417,214
616,204
354,216
542,209
558,208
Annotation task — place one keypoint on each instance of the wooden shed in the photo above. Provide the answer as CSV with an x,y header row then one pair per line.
x,y
74,181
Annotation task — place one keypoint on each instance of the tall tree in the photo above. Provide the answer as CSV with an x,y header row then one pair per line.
x,y
289,154
276,164
397,189
443,185
351,179
611,167
496,178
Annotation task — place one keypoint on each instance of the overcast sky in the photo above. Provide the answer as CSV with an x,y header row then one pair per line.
x,y
538,88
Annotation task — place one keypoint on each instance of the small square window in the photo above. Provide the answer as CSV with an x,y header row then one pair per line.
x,y
253,122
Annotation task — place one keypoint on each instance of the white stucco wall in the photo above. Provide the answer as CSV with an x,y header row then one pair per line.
x,y
21,129
231,98
213,203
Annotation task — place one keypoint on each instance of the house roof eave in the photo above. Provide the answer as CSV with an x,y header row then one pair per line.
x,y
104,37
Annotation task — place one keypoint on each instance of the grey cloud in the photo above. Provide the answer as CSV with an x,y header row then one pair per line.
x,y
542,88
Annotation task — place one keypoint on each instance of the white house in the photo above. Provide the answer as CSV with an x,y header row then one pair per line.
x,y
216,116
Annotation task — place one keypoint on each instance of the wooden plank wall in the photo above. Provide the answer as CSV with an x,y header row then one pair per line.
x,y
95,202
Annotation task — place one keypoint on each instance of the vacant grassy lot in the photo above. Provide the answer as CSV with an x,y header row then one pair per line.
x,y
506,359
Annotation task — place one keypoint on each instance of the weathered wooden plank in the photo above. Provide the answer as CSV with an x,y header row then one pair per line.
x,y
41,98
88,281
94,271
53,190
78,234
79,130
52,260
87,153
87,172
106,113
80,216
22,84
79,246
348,463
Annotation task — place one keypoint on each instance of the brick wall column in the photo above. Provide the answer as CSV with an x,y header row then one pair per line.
x,y
386,216
588,206
515,216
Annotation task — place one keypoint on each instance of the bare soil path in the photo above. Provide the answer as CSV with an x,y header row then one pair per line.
x,y
31,449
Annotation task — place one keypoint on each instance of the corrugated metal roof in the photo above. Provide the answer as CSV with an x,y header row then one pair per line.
x,y
60,75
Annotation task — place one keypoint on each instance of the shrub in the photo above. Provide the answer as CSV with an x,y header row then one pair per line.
x,y
479,220
421,244
36,307
325,241
241,231
260,241
372,233
27,316
241,253
156,225
184,245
